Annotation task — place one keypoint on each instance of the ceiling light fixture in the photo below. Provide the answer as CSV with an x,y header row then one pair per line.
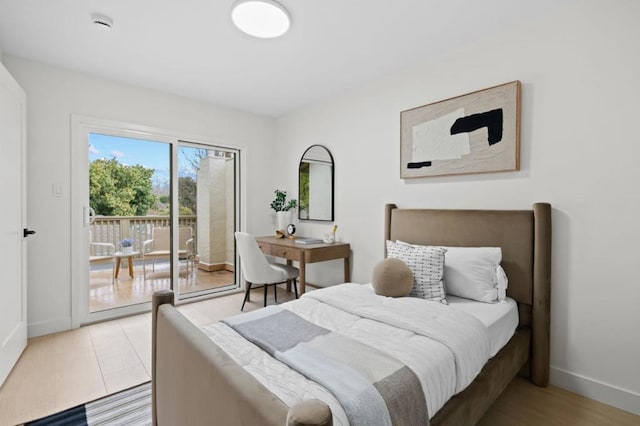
x,y
261,18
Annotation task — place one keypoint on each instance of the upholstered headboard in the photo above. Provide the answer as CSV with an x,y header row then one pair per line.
x,y
525,239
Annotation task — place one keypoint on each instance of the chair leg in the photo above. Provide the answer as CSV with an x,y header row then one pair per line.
x,y
275,293
246,295
295,288
144,269
265,294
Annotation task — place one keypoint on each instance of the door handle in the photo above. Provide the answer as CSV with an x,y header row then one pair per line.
x,y
26,232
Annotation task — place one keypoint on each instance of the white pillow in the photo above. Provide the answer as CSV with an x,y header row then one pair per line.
x,y
426,264
473,273
503,283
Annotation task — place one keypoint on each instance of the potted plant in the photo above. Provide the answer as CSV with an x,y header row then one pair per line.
x,y
282,207
126,245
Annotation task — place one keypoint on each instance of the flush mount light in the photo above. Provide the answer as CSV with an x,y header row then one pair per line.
x,y
261,18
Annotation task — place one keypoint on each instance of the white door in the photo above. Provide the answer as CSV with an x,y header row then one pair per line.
x,y
13,294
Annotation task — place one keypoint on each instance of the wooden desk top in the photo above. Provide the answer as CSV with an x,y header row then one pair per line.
x,y
290,242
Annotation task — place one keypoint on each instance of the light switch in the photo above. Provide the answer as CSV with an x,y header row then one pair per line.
x,y
57,190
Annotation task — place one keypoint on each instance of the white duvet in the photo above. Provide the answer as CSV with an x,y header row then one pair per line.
x,y
444,347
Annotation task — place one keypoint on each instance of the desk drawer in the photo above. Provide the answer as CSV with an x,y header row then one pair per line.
x,y
285,252
266,248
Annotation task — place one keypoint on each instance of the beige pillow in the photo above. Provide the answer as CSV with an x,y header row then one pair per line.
x,y
310,412
392,277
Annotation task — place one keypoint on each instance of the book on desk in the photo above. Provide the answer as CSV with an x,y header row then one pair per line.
x,y
307,240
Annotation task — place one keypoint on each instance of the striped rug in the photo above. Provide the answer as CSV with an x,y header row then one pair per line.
x,y
131,407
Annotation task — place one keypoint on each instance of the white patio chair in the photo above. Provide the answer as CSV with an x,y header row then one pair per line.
x,y
97,255
159,247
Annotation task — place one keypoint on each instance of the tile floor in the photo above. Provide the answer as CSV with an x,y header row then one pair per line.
x,y
62,370
105,294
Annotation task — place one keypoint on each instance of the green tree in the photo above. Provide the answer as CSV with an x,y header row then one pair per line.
x,y
303,183
119,190
187,194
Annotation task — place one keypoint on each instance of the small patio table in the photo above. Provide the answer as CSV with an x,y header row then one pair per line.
x,y
120,255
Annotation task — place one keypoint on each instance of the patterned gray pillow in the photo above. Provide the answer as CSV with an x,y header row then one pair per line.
x,y
427,265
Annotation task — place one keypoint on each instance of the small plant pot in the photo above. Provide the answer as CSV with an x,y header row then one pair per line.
x,y
127,250
282,220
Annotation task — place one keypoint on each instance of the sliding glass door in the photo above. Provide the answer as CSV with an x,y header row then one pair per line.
x,y
157,213
207,195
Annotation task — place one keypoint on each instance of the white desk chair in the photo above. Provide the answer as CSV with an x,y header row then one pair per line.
x,y
257,270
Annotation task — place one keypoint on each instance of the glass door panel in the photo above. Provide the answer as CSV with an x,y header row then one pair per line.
x,y
207,218
129,231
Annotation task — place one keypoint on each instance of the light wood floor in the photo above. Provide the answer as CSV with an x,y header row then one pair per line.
x,y
524,404
65,369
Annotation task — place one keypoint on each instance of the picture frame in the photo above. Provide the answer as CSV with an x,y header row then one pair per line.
x,y
478,132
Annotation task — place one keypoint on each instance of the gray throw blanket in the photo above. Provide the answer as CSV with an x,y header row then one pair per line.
x,y
372,387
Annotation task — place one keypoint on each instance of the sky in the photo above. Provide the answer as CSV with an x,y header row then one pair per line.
x,y
150,154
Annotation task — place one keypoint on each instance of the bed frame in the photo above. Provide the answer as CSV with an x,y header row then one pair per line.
x,y
196,382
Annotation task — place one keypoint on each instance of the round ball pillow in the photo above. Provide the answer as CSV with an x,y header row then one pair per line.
x,y
392,277
310,412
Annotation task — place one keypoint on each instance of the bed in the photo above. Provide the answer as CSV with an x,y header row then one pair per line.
x,y
196,382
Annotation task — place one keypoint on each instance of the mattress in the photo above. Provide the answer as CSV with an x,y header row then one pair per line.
x,y
501,319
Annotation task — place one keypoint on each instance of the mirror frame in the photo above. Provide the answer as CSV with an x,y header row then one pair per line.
x,y
333,171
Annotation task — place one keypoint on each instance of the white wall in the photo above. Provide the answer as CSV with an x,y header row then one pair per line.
x,y
580,151
53,94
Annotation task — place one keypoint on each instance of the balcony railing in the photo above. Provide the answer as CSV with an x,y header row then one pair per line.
x,y
113,229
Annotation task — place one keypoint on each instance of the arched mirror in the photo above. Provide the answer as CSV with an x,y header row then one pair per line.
x,y
315,184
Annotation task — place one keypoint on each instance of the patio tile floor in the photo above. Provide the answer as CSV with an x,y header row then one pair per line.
x,y
104,294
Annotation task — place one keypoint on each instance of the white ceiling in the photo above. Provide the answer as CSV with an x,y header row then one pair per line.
x,y
191,48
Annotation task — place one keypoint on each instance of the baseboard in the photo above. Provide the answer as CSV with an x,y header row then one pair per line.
x,y
623,399
47,327
211,267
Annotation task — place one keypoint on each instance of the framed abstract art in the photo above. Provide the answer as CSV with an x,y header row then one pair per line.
x,y
474,133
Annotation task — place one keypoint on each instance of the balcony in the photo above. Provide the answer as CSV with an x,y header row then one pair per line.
x,y
194,274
